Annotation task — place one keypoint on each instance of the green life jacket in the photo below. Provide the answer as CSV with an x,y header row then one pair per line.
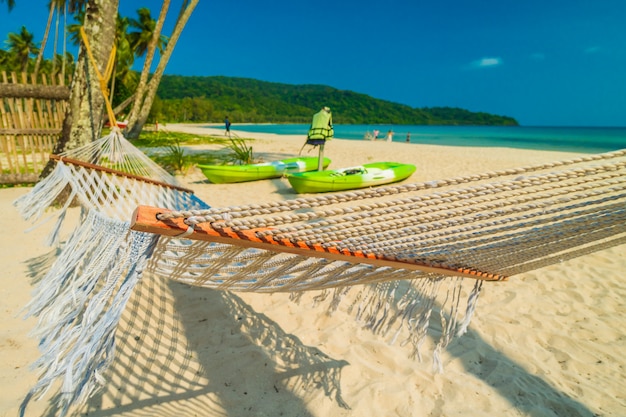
x,y
321,126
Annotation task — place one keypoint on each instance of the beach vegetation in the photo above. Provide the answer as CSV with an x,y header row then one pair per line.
x,y
175,160
241,153
152,139
177,152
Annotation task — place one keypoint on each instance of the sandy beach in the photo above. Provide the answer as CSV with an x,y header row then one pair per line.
x,y
546,343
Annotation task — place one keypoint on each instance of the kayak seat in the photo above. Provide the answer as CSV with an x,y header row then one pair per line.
x,y
349,171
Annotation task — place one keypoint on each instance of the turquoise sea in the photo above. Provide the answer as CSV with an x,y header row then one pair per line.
x,y
567,139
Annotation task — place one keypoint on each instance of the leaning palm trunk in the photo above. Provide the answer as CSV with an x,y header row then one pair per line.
x,y
45,38
143,80
146,98
64,40
56,38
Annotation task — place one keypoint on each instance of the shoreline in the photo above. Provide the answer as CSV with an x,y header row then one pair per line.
x,y
560,139
547,342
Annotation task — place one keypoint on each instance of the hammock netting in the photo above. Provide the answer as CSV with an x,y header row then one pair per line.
x,y
408,249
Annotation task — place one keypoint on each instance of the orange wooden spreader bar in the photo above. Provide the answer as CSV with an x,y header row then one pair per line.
x,y
145,220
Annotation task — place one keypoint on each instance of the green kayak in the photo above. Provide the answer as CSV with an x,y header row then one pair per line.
x,y
367,175
221,174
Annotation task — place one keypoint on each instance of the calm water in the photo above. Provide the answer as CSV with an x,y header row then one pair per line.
x,y
568,139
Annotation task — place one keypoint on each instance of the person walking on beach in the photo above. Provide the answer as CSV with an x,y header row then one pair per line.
x,y
376,132
227,126
390,135
321,130
408,137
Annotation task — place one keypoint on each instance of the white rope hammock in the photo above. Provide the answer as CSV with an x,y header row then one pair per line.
x,y
519,220
406,241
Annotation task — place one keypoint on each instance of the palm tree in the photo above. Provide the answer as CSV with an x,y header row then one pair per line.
x,y
64,40
133,127
10,4
77,8
57,7
5,59
129,45
146,92
74,29
53,6
22,46
124,56
140,39
56,32
86,103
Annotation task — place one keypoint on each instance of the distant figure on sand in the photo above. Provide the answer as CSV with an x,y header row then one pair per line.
x,y
227,126
408,137
389,135
376,132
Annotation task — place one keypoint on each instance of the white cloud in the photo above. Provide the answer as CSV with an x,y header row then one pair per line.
x,y
487,62
592,50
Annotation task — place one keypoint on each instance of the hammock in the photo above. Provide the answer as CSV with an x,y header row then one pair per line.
x,y
484,227
496,225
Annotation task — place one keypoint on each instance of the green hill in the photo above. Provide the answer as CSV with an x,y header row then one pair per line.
x,y
209,99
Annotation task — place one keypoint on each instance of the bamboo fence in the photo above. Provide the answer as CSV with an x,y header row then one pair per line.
x,y
30,124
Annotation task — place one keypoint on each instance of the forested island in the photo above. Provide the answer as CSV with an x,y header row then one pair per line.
x,y
209,99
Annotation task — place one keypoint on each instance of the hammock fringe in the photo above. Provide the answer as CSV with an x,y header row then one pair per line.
x,y
79,304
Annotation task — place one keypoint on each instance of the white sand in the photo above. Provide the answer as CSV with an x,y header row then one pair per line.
x,y
546,343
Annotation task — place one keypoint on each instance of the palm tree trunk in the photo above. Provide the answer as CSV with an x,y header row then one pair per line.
x,y
45,39
64,41
134,130
120,107
56,39
83,117
145,72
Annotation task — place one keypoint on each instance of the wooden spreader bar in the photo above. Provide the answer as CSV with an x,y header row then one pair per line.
x,y
145,220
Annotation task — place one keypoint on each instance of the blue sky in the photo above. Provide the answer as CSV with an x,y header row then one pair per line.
x,y
544,62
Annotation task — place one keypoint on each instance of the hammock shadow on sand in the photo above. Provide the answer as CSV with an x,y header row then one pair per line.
x,y
160,358
156,364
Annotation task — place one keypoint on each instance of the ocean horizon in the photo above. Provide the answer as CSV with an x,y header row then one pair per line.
x,y
558,138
